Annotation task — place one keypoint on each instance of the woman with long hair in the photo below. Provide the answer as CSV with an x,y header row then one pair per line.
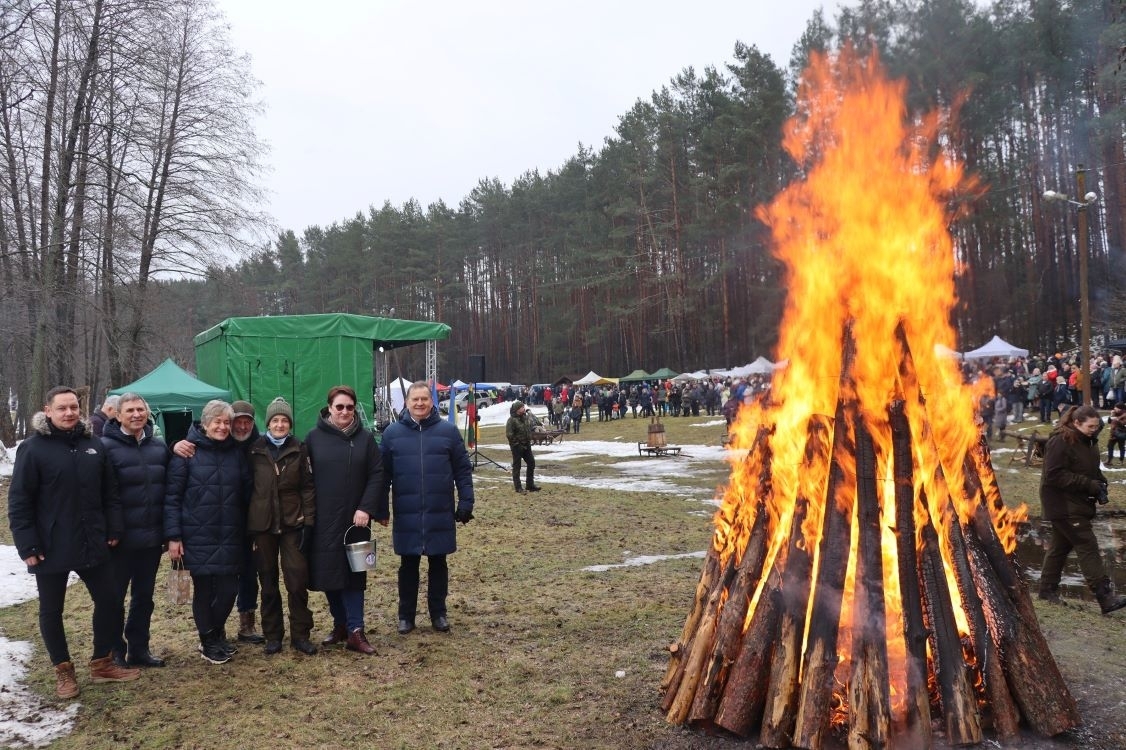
x,y
1071,486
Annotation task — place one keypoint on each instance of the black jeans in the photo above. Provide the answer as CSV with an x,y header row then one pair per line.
x,y
437,585
213,598
523,454
134,572
107,610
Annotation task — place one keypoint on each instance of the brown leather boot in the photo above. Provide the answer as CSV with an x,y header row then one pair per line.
x,y
104,670
339,634
357,641
66,682
246,631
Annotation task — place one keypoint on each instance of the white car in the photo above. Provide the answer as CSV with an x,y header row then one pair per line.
x,y
482,398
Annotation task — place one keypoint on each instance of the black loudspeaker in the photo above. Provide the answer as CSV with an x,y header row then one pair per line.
x,y
477,368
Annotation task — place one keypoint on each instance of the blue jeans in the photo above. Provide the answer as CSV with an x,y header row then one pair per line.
x,y
347,608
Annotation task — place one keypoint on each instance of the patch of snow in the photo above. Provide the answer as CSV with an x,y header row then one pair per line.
x,y
633,562
25,720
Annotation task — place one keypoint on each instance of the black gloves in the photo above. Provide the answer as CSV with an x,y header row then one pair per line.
x,y
1103,496
461,515
305,541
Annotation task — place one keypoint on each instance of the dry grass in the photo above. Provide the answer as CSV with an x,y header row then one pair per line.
x,y
530,662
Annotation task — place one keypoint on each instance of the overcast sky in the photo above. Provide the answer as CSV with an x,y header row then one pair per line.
x,y
374,100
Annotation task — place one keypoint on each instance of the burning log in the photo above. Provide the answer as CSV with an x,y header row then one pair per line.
x,y
869,699
782,692
1033,677
963,724
729,631
682,687
708,581
821,652
915,729
743,700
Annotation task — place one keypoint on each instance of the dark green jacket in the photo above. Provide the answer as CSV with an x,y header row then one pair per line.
x,y
518,430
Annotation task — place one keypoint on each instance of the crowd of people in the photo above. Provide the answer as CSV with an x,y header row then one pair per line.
x,y
1044,386
238,509
568,406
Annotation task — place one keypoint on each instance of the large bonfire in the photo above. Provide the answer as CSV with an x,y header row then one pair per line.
x,y
860,579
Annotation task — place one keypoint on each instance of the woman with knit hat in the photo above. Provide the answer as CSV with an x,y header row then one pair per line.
x,y
280,521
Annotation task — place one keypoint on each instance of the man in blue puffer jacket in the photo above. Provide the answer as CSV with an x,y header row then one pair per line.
x,y
424,459
140,462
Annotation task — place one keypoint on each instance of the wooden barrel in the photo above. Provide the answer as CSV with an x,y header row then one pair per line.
x,y
656,433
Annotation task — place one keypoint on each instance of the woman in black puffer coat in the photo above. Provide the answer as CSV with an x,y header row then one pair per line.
x,y
140,463
205,523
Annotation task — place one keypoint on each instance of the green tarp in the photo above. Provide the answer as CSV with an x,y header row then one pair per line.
x,y
174,396
301,356
663,374
635,376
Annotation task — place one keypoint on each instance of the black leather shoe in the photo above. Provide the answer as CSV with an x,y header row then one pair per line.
x,y
144,659
305,646
119,660
534,489
441,624
272,647
405,626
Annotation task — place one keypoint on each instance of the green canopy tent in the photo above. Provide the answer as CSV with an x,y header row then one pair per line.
x,y
663,374
301,356
174,396
635,377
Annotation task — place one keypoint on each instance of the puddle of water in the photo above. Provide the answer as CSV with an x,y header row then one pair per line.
x,y
1111,534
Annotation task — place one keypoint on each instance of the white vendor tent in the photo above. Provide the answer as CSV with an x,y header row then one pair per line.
x,y
761,366
997,347
593,378
393,393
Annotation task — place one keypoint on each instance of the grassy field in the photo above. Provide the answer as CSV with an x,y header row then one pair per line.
x,y
542,654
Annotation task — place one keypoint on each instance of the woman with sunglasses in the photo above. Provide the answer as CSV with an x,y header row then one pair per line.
x,y
347,471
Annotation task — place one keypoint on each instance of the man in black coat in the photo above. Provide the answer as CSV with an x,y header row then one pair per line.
x,y
64,517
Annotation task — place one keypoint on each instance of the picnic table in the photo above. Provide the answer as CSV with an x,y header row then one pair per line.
x,y
657,450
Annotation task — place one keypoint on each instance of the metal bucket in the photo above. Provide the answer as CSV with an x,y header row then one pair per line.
x,y
361,555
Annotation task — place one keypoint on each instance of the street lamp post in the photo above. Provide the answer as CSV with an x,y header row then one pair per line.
x,y
1084,292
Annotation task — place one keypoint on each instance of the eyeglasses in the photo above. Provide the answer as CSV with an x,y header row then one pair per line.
x,y
344,407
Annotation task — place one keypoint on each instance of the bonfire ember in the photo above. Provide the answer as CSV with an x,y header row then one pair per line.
x,y
860,579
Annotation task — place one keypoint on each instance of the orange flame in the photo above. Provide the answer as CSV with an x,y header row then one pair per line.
x,y
864,239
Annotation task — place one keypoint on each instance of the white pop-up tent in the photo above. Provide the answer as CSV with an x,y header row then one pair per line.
x,y
997,347
761,366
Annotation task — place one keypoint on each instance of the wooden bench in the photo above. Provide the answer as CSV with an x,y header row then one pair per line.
x,y
1030,449
657,450
547,437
